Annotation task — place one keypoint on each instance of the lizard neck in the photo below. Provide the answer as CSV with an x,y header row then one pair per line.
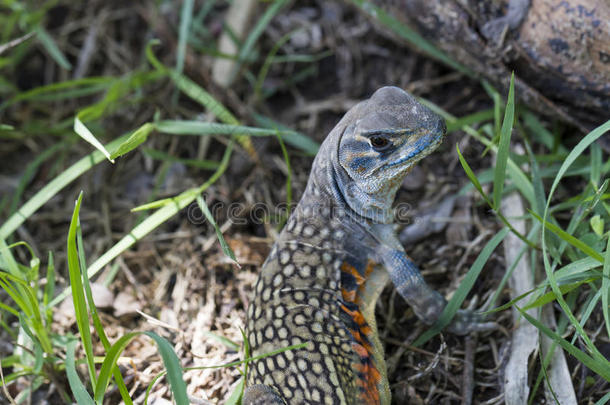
x,y
374,207
329,179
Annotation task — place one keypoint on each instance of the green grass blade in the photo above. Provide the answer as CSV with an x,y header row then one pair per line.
x,y
109,363
550,296
472,177
504,145
12,291
606,287
221,339
49,289
79,391
97,323
478,117
536,181
9,309
599,366
183,127
134,140
577,243
519,179
262,73
53,187
465,286
152,222
51,47
223,243
170,360
540,133
24,296
573,155
296,139
137,233
406,33
78,295
8,260
91,85
173,368
259,28
117,93
186,16
88,136
596,164
237,393
192,89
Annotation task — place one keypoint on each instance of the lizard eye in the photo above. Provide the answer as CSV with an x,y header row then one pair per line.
x,y
380,143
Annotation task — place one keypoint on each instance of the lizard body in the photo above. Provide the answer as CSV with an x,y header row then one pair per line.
x,y
324,274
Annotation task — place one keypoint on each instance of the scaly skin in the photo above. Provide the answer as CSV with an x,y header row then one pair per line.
x,y
325,272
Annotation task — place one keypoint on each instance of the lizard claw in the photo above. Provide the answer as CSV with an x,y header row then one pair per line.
x,y
466,321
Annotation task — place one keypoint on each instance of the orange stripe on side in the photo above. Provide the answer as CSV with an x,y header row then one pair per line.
x,y
362,346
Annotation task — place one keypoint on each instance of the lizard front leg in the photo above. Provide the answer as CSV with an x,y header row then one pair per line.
x,y
427,303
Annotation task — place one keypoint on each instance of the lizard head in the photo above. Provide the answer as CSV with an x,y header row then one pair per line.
x,y
379,141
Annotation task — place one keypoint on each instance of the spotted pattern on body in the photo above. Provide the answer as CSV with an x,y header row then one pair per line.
x,y
298,301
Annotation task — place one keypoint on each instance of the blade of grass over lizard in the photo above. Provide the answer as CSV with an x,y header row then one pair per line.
x,y
504,145
577,151
465,286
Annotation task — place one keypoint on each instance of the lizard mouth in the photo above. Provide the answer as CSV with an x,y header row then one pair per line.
x,y
427,139
420,149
